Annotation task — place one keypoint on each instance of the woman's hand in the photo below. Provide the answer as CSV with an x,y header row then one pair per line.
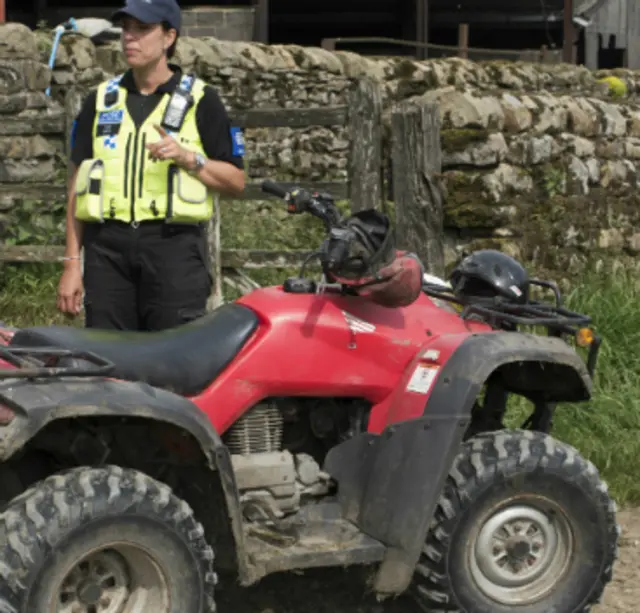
x,y
216,175
168,148
70,289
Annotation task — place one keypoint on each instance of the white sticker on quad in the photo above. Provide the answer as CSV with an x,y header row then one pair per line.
x,y
422,379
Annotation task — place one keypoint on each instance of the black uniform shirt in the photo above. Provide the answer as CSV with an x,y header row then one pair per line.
x,y
212,119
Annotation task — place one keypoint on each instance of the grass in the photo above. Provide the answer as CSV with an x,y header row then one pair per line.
x,y
606,429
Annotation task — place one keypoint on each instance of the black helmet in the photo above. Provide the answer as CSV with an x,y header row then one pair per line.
x,y
489,274
357,249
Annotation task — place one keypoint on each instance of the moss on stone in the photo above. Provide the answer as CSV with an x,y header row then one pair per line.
x,y
471,215
616,86
34,222
549,179
558,235
562,233
466,206
459,182
45,45
505,245
456,140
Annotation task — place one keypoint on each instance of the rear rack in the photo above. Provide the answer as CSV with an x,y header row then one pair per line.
x,y
42,362
501,314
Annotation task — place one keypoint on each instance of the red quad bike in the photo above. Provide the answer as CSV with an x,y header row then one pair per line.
x,y
297,427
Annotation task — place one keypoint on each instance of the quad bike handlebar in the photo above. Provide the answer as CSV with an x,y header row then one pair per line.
x,y
322,206
300,200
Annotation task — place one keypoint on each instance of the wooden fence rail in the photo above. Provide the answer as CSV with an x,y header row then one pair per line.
x,y
255,259
543,55
252,191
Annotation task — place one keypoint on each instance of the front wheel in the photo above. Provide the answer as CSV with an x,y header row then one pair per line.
x,y
103,540
524,525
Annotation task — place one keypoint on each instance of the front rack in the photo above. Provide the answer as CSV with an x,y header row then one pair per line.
x,y
532,314
500,314
44,362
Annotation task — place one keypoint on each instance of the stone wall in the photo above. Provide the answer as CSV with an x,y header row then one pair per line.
x,y
541,160
31,138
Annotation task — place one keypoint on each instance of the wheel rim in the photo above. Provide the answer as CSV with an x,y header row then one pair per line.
x,y
120,579
521,553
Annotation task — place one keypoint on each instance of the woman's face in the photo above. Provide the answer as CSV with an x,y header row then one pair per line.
x,y
144,44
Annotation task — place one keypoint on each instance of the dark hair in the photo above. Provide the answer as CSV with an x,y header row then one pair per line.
x,y
171,51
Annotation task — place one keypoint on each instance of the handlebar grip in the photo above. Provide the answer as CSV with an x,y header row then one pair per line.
x,y
274,189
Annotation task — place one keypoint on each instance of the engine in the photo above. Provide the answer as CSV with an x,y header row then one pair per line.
x,y
276,451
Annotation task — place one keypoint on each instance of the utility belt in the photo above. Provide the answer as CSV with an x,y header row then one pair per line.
x,y
99,197
148,224
153,228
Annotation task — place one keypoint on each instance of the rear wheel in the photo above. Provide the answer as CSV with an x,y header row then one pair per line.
x,y
524,525
103,540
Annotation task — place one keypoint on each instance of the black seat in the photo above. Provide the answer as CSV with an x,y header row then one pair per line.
x,y
184,360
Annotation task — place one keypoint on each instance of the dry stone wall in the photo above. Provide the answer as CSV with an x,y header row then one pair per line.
x,y
539,159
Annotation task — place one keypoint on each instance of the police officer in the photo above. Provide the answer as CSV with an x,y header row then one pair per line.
x,y
150,148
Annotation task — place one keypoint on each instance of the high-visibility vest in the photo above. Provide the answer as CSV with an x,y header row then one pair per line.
x,y
121,182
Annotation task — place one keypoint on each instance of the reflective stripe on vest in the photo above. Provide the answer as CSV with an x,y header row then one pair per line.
x,y
122,183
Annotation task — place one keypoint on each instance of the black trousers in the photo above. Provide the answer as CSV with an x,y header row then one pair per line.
x,y
151,277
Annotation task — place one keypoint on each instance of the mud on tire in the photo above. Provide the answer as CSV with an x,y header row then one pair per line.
x,y
91,538
524,525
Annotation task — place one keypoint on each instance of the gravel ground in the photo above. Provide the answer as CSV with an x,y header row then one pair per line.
x,y
339,591
623,593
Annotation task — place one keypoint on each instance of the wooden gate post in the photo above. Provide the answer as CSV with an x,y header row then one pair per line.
x,y
416,163
365,155
216,297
